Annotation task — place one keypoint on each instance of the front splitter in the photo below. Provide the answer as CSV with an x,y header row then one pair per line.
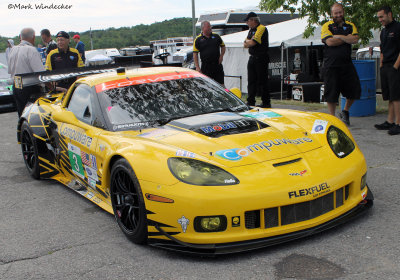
x,y
234,247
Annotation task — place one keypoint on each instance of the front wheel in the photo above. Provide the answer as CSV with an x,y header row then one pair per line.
x,y
30,151
127,202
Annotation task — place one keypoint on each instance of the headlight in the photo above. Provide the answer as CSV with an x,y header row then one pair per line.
x,y
200,173
363,181
210,223
339,142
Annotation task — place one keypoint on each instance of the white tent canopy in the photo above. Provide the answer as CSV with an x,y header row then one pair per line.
x,y
277,33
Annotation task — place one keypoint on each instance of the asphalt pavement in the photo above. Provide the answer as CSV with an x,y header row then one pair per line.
x,y
49,232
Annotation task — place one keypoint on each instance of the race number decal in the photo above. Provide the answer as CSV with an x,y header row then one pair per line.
x,y
76,160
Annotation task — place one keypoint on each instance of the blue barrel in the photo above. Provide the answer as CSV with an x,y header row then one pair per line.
x,y
366,105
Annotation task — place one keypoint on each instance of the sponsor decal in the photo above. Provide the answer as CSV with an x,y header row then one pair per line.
x,y
91,173
90,195
299,173
224,126
82,192
184,223
96,200
93,162
236,221
364,194
51,78
92,183
89,160
102,147
75,135
266,114
76,161
239,153
183,153
229,181
130,125
315,191
147,79
319,127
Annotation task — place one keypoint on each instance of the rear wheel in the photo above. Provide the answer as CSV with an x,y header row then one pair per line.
x,y
127,202
30,151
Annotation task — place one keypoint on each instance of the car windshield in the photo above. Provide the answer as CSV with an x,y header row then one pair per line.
x,y
153,104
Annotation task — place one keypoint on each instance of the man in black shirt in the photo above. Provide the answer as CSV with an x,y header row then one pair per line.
x,y
209,44
340,75
389,68
257,67
49,43
63,57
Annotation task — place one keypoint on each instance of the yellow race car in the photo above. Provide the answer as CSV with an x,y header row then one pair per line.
x,y
183,164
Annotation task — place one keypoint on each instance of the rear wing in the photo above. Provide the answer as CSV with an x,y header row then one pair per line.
x,y
25,80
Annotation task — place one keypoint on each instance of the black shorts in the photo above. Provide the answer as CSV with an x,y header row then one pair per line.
x,y
342,79
390,82
214,71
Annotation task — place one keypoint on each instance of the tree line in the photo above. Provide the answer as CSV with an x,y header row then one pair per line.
x,y
124,36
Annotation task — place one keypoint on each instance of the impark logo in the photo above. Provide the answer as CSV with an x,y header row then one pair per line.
x,y
239,153
233,154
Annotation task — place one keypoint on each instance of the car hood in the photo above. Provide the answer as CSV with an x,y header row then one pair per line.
x,y
235,139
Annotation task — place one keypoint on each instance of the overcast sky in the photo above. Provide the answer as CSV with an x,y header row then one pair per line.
x,y
102,14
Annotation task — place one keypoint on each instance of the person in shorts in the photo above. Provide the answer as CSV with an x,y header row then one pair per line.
x,y
340,75
389,69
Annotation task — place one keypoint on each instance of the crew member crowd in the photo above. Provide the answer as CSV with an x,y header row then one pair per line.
x,y
26,58
338,72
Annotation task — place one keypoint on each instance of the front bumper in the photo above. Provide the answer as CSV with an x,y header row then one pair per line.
x,y
234,247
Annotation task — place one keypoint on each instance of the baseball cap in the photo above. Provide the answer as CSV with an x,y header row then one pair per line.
x,y
250,15
76,36
62,34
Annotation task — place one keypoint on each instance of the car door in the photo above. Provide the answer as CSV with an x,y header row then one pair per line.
x,y
83,135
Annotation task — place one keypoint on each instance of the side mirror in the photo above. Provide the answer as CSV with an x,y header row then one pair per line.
x,y
69,118
236,92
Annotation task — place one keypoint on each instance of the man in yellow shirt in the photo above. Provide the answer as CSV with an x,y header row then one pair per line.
x,y
340,75
63,57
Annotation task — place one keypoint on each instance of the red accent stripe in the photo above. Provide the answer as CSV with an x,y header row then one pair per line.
x,y
147,79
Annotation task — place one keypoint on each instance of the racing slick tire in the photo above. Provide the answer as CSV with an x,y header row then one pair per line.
x,y
128,202
30,151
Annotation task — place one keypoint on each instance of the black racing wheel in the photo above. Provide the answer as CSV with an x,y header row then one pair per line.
x,y
30,151
128,202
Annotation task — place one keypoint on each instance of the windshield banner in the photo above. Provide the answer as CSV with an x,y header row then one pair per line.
x,y
147,79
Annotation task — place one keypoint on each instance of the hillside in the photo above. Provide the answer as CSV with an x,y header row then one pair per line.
x,y
125,36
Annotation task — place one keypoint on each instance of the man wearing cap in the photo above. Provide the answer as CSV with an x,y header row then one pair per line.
x,y
80,46
48,42
24,58
212,50
257,67
63,57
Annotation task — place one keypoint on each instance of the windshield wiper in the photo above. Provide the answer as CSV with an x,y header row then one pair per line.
x,y
168,120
